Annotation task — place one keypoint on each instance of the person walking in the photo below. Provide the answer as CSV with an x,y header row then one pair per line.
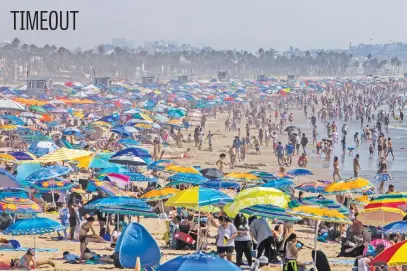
x,y
356,166
243,243
336,168
304,142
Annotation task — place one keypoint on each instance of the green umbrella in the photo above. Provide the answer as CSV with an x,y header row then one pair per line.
x,y
38,109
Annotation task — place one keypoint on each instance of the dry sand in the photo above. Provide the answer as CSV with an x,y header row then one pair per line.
x,y
221,144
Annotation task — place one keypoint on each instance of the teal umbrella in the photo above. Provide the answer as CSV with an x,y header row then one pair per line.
x,y
100,163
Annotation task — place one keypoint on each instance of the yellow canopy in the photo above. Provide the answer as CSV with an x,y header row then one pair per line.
x,y
62,155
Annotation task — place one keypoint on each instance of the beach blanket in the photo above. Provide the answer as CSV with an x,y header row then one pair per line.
x,y
25,249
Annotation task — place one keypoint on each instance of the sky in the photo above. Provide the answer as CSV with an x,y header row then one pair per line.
x,y
222,24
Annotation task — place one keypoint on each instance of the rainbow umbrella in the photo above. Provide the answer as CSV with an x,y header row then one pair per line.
x,y
159,194
17,205
160,165
392,256
395,227
242,177
182,169
263,175
381,216
353,185
325,203
108,188
392,200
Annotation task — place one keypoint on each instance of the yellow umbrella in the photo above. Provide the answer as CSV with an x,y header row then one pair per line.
x,y
320,213
348,185
8,158
101,123
182,169
257,196
381,216
143,125
9,127
361,200
242,177
159,194
63,154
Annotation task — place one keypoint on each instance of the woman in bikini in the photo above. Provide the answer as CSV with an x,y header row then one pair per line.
x,y
85,238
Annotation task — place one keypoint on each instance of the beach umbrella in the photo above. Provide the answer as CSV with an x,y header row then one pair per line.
x,y
242,177
312,187
47,173
325,203
392,200
72,131
22,156
196,197
8,127
395,227
52,185
117,201
119,180
393,256
361,200
138,177
38,108
279,183
257,196
33,226
128,160
199,261
99,163
353,185
42,148
182,169
114,169
64,154
381,216
212,173
8,158
185,178
263,175
269,211
107,188
17,205
299,172
159,194
129,142
7,180
137,152
219,184
160,165
6,104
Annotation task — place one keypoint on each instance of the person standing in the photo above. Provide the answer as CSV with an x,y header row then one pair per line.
x,y
227,233
356,166
261,232
304,142
237,144
336,168
280,153
389,148
243,243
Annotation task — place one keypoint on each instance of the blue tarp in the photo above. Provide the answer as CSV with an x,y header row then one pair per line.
x,y
135,241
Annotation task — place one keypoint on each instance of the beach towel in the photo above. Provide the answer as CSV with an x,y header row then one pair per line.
x,y
25,249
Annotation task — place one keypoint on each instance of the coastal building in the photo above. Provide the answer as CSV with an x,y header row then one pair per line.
x,y
182,79
147,80
102,81
38,85
222,75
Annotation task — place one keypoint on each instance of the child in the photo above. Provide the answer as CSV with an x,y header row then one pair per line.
x,y
186,154
220,163
256,143
232,154
64,217
371,149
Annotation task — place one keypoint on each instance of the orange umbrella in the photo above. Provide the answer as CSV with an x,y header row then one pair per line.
x,y
46,118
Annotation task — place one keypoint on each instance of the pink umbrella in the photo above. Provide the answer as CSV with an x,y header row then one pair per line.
x,y
120,180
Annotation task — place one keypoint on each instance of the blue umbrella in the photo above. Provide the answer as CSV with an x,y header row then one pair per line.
x,y
264,175
395,227
279,183
47,173
41,148
219,184
111,118
187,178
129,142
138,152
117,201
114,169
19,155
160,165
269,211
138,177
198,261
299,172
100,163
33,226
71,131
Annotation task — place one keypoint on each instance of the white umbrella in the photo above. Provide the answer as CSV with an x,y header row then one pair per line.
x,y
6,104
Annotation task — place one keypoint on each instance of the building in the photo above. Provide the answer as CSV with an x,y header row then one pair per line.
x,y
222,75
122,43
102,81
38,85
147,80
182,79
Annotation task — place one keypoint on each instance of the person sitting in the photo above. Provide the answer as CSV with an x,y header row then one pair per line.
x,y
302,161
291,249
84,238
186,154
115,235
5,221
27,260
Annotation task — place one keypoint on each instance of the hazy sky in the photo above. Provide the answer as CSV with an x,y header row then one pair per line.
x,y
241,24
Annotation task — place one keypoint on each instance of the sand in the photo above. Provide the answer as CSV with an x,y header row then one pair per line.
x,y
266,161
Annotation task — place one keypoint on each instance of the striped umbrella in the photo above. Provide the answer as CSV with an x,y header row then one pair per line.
x,y
17,205
160,165
108,188
392,200
269,211
325,203
242,177
354,185
264,175
279,183
159,194
63,154
51,185
393,256
185,178
312,187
